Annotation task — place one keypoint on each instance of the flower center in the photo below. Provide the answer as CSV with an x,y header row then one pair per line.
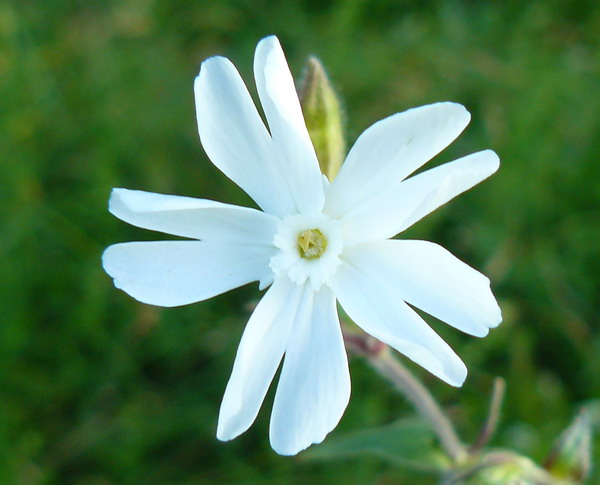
x,y
312,243
309,248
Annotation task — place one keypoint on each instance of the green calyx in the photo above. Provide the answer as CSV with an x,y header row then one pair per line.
x,y
323,115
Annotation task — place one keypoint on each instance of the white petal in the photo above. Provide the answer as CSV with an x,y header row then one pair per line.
x,y
296,154
388,213
379,310
390,150
429,277
314,387
235,137
173,273
193,218
260,351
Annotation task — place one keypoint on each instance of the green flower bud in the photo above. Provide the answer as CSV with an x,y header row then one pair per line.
x,y
323,116
570,459
502,467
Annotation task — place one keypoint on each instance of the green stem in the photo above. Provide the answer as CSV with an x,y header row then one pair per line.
x,y
489,428
381,359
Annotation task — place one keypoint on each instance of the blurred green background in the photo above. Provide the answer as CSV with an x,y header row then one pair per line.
x,y
99,389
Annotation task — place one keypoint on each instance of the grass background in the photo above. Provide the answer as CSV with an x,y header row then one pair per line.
x,y
99,389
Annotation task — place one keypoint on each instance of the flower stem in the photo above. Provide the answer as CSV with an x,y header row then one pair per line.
x,y
489,428
381,359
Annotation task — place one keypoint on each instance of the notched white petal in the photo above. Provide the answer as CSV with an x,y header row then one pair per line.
x,y
389,213
390,150
173,273
314,387
277,89
294,150
263,343
235,137
429,277
379,310
194,218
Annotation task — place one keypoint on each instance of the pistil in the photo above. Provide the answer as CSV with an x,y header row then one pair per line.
x,y
312,243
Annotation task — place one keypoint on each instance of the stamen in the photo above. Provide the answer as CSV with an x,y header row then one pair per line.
x,y
312,243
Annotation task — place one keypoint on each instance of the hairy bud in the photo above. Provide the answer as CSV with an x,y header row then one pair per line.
x,y
323,116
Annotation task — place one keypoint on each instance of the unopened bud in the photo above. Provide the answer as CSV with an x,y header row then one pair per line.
x,y
504,468
570,459
323,116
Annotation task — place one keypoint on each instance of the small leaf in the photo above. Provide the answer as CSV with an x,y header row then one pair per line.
x,y
409,442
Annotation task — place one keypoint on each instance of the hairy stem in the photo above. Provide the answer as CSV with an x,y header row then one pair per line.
x,y
381,359
489,428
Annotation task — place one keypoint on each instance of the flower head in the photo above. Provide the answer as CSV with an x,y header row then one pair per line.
x,y
312,243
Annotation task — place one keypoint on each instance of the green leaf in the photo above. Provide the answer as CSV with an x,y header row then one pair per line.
x,y
408,442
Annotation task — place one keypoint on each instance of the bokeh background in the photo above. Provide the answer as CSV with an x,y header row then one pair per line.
x,y
99,389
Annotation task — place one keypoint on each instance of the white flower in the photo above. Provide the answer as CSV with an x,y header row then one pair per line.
x,y
312,243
